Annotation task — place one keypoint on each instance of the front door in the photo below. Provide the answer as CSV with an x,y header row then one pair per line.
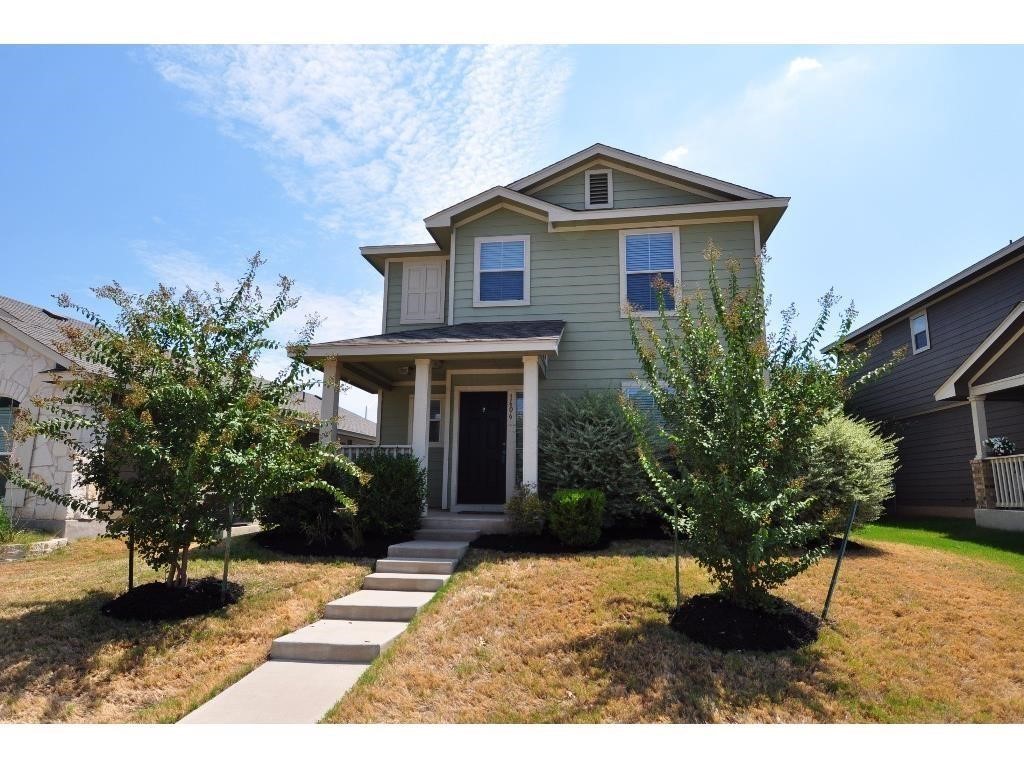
x,y
482,437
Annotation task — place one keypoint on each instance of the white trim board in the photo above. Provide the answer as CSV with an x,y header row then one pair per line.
x,y
412,349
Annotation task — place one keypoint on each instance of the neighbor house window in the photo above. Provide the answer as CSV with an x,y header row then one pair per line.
x,y
502,271
8,410
434,432
920,339
650,263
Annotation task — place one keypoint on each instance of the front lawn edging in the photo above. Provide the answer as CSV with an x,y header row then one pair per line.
x,y
12,552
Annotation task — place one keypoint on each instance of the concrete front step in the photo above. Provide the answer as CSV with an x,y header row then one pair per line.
x,y
483,523
377,605
337,640
405,582
447,534
443,566
280,692
449,550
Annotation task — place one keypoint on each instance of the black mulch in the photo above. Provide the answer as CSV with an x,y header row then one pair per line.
x,y
291,543
714,620
158,601
545,544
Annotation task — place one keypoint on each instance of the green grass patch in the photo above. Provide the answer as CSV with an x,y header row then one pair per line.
x,y
961,536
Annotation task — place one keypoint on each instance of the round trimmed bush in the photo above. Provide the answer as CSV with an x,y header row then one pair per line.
x,y
575,517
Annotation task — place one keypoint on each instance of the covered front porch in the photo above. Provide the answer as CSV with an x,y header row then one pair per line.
x,y
464,399
992,381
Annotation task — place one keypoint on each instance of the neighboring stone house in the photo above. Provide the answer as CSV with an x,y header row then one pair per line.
x,y
962,381
29,366
519,298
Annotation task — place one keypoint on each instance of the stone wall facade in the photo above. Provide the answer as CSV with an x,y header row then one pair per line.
x,y
984,484
22,379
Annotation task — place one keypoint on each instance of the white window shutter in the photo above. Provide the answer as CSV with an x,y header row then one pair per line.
x,y
423,292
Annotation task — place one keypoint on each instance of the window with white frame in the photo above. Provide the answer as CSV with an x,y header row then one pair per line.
x,y
435,431
920,339
501,271
642,398
8,412
650,265
597,189
422,291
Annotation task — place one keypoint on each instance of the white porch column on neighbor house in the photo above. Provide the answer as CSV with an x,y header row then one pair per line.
x,y
329,401
421,410
980,424
531,407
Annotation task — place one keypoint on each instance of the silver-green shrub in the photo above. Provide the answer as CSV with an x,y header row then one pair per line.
x,y
525,512
850,461
586,442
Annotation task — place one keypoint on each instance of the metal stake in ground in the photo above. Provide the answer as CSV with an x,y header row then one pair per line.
x,y
839,562
227,553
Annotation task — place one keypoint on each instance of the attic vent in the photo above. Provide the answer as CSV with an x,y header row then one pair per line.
x,y
598,192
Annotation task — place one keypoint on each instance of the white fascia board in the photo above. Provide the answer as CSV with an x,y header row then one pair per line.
x,y
399,250
428,348
948,389
671,171
654,212
444,218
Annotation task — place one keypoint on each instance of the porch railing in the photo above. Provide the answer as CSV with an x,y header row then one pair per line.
x,y
1008,476
355,451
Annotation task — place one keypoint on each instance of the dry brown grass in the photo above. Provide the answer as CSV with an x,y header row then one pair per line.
x,y
919,635
61,660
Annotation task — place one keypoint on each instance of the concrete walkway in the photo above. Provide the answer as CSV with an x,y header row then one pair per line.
x,y
312,668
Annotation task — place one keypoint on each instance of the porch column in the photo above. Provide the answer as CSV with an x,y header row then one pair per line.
x,y
329,401
531,406
980,425
421,410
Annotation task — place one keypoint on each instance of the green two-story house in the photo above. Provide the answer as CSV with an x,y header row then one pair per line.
x,y
521,296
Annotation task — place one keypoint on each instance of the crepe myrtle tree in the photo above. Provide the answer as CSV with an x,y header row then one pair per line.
x,y
167,423
729,455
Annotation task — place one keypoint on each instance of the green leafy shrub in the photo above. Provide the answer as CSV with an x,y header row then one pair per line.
x,y
6,526
387,503
575,516
850,461
525,512
587,442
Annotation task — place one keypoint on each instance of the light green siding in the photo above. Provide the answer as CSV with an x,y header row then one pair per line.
x,y
575,277
628,191
393,317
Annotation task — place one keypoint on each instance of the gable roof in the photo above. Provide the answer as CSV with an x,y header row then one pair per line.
x,y
40,328
1001,258
656,167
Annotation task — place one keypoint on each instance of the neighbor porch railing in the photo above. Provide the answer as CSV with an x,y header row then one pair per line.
x,y
1008,477
355,451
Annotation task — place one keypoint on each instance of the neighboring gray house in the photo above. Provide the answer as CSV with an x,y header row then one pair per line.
x,y
352,428
29,366
519,297
961,382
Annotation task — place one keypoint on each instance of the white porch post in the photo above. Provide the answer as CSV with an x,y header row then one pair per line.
x,y
531,406
980,424
421,410
329,401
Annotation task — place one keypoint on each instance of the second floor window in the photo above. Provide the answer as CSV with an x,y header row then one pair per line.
x,y
920,339
650,262
502,271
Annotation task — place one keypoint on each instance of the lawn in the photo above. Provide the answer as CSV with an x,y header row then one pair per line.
x,y
61,660
919,634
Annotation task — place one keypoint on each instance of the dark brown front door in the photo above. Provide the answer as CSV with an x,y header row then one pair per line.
x,y
482,436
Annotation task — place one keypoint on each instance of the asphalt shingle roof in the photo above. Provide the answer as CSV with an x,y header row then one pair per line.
x,y
516,330
41,324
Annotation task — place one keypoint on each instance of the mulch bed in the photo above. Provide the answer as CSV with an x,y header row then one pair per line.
x,y
544,544
716,621
158,601
291,543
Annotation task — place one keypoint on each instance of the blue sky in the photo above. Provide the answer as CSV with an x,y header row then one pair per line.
x,y
140,164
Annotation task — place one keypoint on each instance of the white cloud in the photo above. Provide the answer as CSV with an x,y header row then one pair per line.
x,y
373,139
802,64
344,315
675,156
